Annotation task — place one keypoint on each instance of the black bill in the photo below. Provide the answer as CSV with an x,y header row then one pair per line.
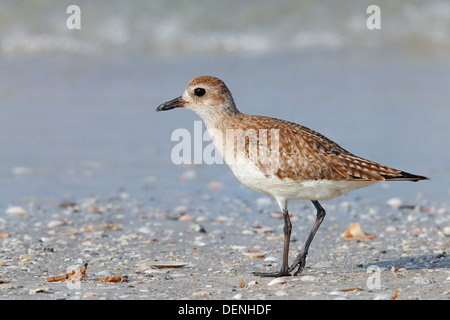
x,y
172,104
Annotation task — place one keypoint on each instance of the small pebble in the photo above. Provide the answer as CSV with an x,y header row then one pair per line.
x,y
18,211
40,290
276,215
215,185
237,247
197,228
391,228
56,223
252,283
275,238
394,202
426,279
281,293
271,259
218,232
446,231
186,217
277,281
145,230
308,278
199,244
181,210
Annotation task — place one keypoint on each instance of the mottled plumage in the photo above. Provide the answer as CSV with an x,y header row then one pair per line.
x,y
280,158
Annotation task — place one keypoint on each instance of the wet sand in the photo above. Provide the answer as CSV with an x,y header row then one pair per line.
x,y
86,169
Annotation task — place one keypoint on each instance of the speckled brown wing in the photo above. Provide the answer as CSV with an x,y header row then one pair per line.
x,y
308,155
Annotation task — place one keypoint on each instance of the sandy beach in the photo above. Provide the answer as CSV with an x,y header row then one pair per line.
x,y
195,252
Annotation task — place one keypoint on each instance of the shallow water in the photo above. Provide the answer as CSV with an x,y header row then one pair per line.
x,y
76,123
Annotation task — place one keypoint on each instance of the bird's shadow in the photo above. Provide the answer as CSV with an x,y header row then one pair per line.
x,y
417,262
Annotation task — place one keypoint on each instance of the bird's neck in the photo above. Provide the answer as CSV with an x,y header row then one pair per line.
x,y
220,118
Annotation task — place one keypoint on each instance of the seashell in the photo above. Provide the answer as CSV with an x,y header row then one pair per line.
x,y
275,238
391,228
18,211
145,230
186,217
167,264
68,232
254,253
355,232
394,202
56,223
261,229
276,215
307,278
199,244
90,294
238,296
215,185
446,231
271,259
155,271
252,283
181,210
237,247
277,281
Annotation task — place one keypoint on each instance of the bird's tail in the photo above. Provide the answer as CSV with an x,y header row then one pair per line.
x,y
404,176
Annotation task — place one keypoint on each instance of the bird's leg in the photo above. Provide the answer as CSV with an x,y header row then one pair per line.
x,y
300,261
287,238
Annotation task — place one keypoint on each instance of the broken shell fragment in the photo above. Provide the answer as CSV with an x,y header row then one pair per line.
x,y
17,211
254,253
355,232
261,229
57,223
277,281
167,264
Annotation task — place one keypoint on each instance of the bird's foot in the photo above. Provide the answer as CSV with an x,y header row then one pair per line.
x,y
300,261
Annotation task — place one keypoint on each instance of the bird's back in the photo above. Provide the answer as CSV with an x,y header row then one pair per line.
x,y
304,154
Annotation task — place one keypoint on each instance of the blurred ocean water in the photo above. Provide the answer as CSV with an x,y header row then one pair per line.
x,y
77,106
215,26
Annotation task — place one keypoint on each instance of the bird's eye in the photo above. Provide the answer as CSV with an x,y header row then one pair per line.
x,y
199,92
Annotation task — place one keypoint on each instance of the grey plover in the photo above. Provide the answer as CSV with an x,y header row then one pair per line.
x,y
280,158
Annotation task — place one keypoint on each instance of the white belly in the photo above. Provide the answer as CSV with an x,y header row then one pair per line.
x,y
250,175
